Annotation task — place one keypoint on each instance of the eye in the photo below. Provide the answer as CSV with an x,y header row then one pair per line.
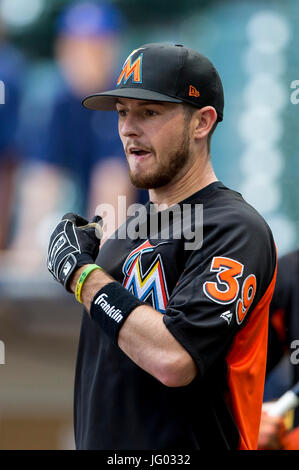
x,y
150,112
121,112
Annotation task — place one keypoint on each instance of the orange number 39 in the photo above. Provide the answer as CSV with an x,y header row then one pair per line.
x,y
226,289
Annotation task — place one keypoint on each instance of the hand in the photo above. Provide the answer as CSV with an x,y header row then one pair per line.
x,y
272,432
73,243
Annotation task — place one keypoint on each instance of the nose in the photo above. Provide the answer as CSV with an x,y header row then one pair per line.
x,y
129,127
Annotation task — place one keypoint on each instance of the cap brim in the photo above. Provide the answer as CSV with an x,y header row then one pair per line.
x,y
106,101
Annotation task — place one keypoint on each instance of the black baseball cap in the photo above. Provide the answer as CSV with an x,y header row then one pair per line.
x,y
164,72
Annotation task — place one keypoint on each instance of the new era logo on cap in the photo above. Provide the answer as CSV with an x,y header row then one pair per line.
x,y
193,91
163,72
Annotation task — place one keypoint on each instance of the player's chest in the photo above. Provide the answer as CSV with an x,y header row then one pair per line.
x,y
149,269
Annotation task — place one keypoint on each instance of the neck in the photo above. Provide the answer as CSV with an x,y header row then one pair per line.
x,y
196,177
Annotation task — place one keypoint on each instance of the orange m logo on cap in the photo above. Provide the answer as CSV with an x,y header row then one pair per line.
x,y
193,91
131,69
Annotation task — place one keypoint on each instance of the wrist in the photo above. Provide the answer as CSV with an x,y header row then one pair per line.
x,y
75,277
89,269
87,280
111,306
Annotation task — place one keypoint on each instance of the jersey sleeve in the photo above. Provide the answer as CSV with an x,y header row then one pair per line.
x,y
221,284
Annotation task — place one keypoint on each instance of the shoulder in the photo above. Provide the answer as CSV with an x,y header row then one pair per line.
x,y
233,229
226,212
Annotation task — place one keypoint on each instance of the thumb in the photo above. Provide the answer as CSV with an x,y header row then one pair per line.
x,y
75,219
94,227
97,219
97,222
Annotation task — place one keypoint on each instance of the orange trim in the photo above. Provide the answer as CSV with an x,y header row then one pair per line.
x,y
246,363
291,441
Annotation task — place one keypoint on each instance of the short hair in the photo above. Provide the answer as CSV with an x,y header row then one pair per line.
x,y
189,110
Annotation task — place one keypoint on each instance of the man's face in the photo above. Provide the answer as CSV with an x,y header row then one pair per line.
x,y
87,63
155,136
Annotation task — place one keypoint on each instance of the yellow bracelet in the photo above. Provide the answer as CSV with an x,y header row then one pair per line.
x,y
82,279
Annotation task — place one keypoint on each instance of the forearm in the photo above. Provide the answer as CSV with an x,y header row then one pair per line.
x,y
146,340
144,337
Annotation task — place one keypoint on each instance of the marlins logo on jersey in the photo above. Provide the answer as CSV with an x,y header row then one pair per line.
x,y
150,284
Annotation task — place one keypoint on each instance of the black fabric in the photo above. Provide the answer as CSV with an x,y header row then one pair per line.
x,y
165,73
110,308
120,406
286,300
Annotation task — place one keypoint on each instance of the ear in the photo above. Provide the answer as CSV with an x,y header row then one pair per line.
x,y
204,121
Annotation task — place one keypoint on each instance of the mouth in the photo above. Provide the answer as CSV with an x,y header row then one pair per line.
x,y
138,152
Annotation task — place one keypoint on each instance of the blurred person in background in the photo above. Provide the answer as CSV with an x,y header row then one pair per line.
x,y
283,335
12,68
75,149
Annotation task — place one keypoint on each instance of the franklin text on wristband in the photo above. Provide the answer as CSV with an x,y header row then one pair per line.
x,y
111,306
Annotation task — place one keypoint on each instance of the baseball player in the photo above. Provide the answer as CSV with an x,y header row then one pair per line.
x,y
172,350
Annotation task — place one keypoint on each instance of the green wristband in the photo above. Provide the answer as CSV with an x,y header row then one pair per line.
x,y
82,279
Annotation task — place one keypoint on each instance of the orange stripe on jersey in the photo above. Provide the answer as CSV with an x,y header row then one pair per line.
x,y
246,363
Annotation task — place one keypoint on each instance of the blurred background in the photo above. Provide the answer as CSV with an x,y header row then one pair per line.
x,y
57,157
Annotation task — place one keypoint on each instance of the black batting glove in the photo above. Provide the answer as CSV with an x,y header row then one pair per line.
x,y
74,242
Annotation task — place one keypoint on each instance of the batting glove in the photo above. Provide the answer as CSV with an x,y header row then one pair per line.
x,y
74,242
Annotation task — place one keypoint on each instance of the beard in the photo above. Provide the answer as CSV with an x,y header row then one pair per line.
x,y
176,160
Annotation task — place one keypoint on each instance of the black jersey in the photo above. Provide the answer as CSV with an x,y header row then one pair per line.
x,y
214,299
